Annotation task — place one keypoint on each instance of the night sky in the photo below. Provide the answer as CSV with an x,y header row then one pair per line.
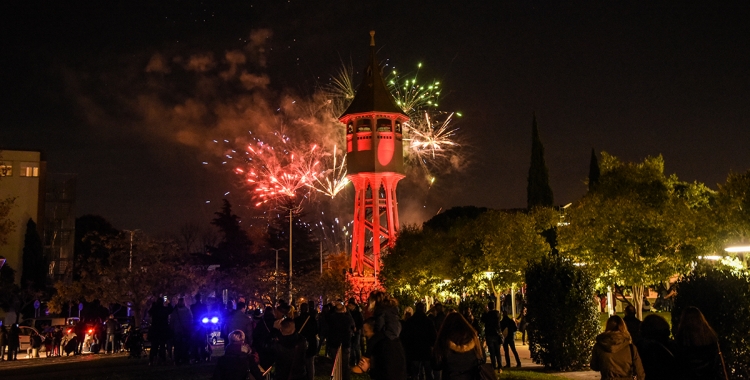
x,y
128,94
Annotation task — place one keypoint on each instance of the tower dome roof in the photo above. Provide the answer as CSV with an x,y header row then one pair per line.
x,y
373,94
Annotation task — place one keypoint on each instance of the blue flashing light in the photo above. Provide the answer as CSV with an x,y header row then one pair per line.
x,y
204,320
215,320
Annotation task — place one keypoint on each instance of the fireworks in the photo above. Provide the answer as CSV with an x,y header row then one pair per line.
x,y
332,180
413,96
278,172
431,143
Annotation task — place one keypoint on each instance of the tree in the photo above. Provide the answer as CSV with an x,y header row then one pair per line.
x,y
722,296
189,234
538,191
6,225
234,248
563,320
638,226
158,268
461,251
34,273
90,231
594,172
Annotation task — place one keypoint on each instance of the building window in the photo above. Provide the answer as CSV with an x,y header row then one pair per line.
x,y
363,125
384,125
29,169
6,168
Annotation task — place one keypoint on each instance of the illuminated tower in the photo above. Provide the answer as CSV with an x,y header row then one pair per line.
x,y
375,164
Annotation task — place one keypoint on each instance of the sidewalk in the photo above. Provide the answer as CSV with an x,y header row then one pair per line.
x,y
527,364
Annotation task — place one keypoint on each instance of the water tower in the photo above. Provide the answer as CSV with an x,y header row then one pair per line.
x,y
375,164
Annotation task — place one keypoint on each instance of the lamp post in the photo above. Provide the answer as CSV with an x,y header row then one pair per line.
x,y
276,273
130,256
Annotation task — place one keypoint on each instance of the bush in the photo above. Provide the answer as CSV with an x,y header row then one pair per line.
x,y
563,322
724,298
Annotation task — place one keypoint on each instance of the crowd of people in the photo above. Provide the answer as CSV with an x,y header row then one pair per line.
x,y
373,338
634,349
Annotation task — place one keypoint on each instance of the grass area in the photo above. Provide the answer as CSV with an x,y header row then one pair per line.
x,y
520,374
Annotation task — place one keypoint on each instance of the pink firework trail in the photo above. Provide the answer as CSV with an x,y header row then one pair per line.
x,y
279,172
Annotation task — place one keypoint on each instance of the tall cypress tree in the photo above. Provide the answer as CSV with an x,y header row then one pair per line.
x,y
538,191
34,271
594,172
234,249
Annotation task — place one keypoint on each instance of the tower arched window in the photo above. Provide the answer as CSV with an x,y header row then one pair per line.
x,y
364,125
384,125
398,127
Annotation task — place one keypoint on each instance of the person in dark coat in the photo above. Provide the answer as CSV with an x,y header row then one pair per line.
x,y
14,342
307,326
158,332
457,351
356,351
3,342
438,315
111,327
632,322
198,342
384,359
341,329
656,349
491,321
237,361
614,354
418,336
263,334
509,340
697,347
323,326
289,352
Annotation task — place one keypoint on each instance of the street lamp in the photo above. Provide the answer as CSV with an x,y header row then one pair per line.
x,y
130,256
276,274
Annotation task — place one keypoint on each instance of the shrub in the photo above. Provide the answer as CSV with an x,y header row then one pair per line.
x,y
563,322
724,298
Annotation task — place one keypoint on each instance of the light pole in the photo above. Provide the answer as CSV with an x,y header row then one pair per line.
x,y
130,256
290,256
489,275
276,273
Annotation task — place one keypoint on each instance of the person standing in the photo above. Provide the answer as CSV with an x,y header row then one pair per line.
x,y
307,326
111,327
289,352
614,354
340,334
3,341
523,324
697,346
158,332
198,341
509,328
457,351
418,336
14,342
656,349
181,325
238,361
632,322
384,359
491,321
356,350
238,320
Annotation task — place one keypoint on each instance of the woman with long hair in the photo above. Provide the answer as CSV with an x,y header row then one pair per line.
x,y
697,349
457,350
614,355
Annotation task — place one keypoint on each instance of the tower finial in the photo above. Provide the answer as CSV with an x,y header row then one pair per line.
x,y
372,38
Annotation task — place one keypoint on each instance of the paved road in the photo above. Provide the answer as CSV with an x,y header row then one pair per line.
x,y
95,367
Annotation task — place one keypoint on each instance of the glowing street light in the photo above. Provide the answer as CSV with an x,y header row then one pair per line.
x,y
738,249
